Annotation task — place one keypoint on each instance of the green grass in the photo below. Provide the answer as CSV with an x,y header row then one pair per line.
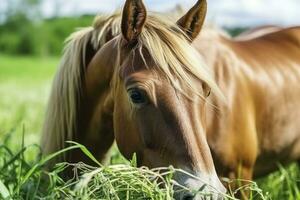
x,y
33,69
24,88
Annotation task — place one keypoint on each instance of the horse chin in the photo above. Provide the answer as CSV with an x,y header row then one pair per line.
x,y
201,187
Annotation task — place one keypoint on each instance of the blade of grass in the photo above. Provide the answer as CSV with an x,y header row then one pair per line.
x,y
85,151
44,161
4,191
21,159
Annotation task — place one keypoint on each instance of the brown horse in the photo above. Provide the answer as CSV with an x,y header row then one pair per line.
x,y
146,89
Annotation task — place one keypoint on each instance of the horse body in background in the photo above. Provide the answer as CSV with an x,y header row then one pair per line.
x,y
137,89
259,76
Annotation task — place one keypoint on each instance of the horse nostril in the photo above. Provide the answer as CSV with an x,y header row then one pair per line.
x,y
188,197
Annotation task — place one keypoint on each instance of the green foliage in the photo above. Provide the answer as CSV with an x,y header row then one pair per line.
x,y
19,35
56,30
286,183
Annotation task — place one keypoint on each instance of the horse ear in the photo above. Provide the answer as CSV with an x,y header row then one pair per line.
x,y
133,19
191,23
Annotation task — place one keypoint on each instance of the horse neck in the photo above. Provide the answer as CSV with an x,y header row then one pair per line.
x,y
96,106
217,53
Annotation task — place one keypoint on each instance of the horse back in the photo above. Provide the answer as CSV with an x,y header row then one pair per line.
x,y
283,43
274,56
257,32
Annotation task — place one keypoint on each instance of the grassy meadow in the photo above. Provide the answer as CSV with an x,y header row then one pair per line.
x,y
24,88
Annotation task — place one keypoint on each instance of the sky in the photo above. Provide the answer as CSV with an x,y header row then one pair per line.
x,y
220,12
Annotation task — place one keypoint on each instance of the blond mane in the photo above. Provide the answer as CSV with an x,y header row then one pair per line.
x,y
174,55
61,115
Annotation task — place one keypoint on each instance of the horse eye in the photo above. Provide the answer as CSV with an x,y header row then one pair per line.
x,y
137,96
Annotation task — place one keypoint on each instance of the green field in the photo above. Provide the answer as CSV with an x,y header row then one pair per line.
x,y
24,88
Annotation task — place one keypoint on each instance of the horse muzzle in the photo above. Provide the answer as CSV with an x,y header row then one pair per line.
x,y
200,188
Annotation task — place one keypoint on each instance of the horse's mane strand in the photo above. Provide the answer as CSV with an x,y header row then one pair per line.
x,y
61,115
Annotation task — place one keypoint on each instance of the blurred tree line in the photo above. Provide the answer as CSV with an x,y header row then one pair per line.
x,y
24,31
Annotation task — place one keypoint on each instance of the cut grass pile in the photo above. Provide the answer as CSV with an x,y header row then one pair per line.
x,y
23,179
